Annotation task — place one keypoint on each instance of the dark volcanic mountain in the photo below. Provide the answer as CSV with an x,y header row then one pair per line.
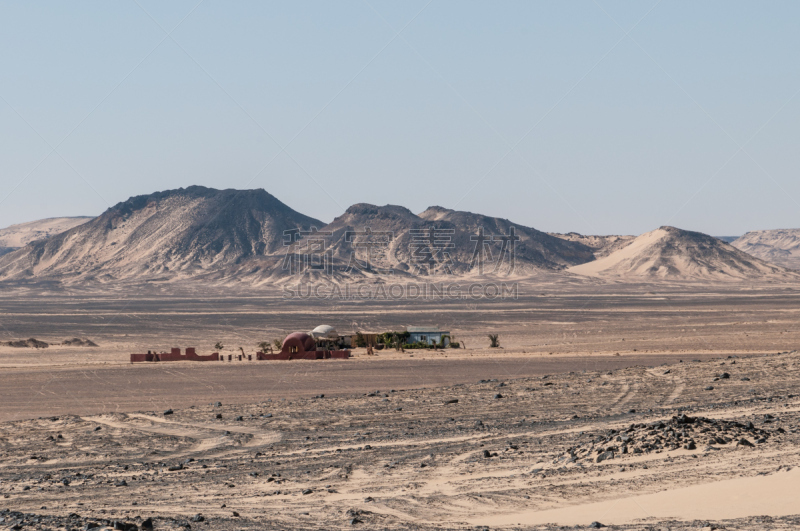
x,y
372,239
533,249
174,234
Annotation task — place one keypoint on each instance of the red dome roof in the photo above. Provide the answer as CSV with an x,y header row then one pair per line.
x,y
299,338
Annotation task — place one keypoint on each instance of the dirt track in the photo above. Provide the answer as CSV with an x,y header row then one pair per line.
x,y
88,390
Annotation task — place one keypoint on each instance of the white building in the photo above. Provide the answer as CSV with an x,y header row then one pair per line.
x,y
428,334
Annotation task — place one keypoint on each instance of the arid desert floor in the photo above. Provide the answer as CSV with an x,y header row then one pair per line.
x,y
657,407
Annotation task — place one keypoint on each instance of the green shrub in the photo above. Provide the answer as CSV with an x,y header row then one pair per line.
x,y
418,345
360,340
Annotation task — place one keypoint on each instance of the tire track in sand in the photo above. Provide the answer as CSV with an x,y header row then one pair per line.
x,y
207,437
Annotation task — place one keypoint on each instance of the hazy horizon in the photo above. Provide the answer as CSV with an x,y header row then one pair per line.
x,y
593,117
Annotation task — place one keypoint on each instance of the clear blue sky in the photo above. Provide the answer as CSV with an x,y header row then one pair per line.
x,y
545,113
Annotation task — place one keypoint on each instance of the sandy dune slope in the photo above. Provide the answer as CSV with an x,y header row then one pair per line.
x,y
16,236
671,253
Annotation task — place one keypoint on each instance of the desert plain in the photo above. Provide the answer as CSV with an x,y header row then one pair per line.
x,y
653,406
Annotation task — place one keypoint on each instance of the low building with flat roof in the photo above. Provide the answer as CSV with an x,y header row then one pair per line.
x,y
428,334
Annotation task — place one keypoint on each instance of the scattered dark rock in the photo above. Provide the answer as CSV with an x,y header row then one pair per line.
x,y
27,343
168,412
608,454
78,342
677,432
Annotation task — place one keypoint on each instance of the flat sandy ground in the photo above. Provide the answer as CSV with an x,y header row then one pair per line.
x,y
582,372
115,388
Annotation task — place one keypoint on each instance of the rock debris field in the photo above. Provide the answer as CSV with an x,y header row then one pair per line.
x,y
577,450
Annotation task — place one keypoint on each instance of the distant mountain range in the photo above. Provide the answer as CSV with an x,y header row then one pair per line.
x,y
781,246
250,236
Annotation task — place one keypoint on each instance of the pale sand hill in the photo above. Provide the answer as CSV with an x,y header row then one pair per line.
x,y
780,246
672,253
22,234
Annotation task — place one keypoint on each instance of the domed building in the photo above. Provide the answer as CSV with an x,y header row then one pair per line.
x,y
325,332
298,343
320,344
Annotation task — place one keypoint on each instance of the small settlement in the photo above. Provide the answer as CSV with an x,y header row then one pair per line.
x,y
323,342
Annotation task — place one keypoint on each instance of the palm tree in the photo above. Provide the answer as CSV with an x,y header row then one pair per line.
x,y
494,340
